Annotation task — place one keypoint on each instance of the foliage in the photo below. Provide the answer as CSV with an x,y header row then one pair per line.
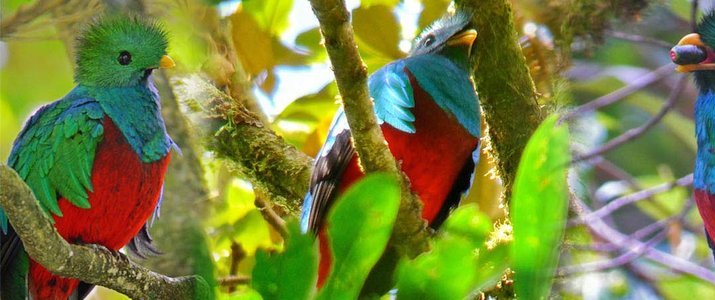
x,y
538,209
278,46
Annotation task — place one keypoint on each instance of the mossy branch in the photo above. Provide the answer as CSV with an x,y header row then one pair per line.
x,y
234,133
410,234
91,264
506,91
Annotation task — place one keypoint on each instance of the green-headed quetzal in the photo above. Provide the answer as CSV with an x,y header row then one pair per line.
x,y
694,53
429,114
96,158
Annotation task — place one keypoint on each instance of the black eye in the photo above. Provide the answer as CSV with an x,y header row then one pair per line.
x,y
124,58
429,40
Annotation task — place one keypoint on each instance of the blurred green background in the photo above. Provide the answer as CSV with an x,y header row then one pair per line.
x,y
278,46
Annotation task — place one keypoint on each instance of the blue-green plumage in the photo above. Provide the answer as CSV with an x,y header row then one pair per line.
x,y
96,158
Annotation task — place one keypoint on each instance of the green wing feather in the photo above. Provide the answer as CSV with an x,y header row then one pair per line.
x,y
55,152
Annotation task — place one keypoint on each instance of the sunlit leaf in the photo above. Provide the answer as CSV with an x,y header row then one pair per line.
x,y
538,209
685,287
383,41
302,117
454,254
290,274
272,16
434,9
253,44
359,227
369,3
311,41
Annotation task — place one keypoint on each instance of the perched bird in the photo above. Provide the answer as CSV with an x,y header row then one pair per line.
x,y
429,114
96,158
694,53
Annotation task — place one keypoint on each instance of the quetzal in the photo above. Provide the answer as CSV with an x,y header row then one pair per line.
x,y
429,114
694,53
95,159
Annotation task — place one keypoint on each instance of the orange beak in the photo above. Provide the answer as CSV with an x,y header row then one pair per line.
x,y
166,62
465,38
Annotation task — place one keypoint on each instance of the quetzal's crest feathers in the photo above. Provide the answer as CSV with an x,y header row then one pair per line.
x,y
117,51
434,36
391,90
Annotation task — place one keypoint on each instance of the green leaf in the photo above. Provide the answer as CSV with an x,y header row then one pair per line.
x,y
685,287
453,255
290,274
377,31
359,227
272,15
538,209
434,9
368,3
432,275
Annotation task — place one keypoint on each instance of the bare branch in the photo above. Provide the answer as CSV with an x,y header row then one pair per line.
x,y
91,264
26,14
410,234
628,199
271,216
634,133
623,92
639,39
615,237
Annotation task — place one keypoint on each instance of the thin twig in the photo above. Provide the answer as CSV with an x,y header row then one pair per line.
x,y
615,237
639,39
631,198
271,216
613,262
628,257
234,280
237,255
634,133
24,15
623,92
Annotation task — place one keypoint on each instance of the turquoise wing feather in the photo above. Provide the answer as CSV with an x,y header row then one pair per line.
x,y
55,151
393,97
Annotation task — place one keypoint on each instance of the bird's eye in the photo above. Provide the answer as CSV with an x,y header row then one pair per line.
x,y
429,40
124,58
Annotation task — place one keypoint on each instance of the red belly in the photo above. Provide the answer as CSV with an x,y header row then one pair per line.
x,y
432,158
126,191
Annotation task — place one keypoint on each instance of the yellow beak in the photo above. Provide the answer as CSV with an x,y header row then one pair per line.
x,y
465,38
166,62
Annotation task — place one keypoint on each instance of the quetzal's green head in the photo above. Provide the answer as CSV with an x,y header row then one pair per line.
x,y
451,36
694,53
119,51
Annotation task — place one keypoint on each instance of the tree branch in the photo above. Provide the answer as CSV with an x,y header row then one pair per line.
x,y
623,92
276,169
91,264
634,133
613,236
410,234
506,91
631,198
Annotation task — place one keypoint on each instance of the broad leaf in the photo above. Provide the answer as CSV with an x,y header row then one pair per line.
x,y
538,209
454,255
359,227
290,274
